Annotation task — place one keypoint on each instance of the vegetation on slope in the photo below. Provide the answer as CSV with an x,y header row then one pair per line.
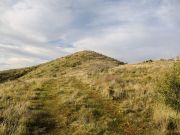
x,y
86,94
14,74
169,87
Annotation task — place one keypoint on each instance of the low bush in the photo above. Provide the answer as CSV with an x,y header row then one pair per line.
x,y
169,87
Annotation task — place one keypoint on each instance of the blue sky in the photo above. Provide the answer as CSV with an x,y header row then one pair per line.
x,y
36,31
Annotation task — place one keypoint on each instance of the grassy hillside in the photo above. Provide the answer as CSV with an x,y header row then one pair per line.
x,y
86,94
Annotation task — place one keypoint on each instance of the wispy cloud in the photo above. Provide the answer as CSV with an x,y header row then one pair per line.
x,y
34,31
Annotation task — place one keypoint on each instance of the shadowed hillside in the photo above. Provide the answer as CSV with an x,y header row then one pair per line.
x,y
86,93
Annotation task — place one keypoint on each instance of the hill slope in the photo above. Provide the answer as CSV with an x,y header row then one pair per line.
x,y
84,94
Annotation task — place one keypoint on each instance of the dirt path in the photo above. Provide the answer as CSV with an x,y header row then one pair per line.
x,y
65,106
41,120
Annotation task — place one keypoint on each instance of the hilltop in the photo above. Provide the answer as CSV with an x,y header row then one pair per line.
x,y
85,93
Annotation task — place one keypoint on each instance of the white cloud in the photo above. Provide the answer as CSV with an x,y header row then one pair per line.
x,y
133,44
169,13
41,30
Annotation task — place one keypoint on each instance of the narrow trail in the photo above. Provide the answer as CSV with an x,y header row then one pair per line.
x,y
64,106
44,108
41,121
50,110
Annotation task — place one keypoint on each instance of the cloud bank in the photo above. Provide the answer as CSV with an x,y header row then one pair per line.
x,y
35,31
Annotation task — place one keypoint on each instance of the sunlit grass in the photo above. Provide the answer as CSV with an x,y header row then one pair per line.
x,y
85,93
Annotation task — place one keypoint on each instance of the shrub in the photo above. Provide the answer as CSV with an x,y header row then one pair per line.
x,y
169,87
148,61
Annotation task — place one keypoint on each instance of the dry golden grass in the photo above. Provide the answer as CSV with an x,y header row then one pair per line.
x,y
85,93
162,115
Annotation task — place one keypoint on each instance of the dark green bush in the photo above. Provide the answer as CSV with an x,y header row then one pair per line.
x,y
171,124
169,87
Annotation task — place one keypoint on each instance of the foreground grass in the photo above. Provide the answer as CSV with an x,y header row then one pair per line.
x,y
86,94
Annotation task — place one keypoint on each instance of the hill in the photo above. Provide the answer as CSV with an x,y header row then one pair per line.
x,y
85,93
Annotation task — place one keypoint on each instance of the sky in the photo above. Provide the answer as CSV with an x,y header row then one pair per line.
x,y
36,31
